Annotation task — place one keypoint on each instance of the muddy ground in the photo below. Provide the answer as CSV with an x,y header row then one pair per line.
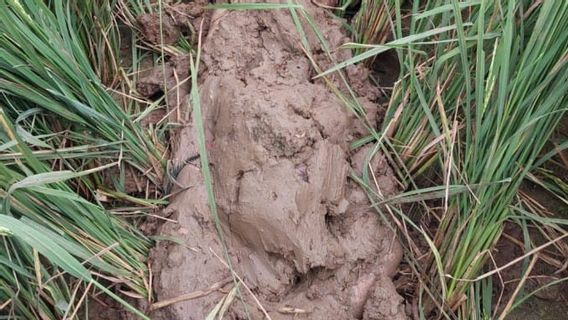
x,y
299,232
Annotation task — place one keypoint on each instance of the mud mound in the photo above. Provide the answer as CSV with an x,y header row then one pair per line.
x,y
300,234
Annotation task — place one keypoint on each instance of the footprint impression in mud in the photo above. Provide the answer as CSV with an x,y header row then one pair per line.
x,y
300,234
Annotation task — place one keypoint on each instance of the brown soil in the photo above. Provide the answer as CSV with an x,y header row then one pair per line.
x,y
298,231
175,71
547,303
179,20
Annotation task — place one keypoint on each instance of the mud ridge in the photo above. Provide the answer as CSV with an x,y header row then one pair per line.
x,y
299,232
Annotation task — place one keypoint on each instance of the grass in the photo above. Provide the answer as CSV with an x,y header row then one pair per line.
x,y
34,69
371,25
64,142
481,93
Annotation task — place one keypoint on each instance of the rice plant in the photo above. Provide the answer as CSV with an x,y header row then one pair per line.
x,y
63,139
483,88
372,24
494,104
43,62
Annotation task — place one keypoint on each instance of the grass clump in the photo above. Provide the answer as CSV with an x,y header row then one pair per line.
x,y
372,24
483,89
63,138
43,62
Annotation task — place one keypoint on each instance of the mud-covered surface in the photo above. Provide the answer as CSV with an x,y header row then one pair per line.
x,y
299,232
180,20
176,22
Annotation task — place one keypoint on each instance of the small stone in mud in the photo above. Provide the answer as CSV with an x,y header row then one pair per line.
x,y
302,172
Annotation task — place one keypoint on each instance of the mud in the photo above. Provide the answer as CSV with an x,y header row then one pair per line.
x,y
170,79
177,20
299,232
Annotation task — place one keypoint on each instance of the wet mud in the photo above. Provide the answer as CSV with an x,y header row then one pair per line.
x,y
299,232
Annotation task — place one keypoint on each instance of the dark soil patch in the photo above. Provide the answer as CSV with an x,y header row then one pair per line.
x,y
177,21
